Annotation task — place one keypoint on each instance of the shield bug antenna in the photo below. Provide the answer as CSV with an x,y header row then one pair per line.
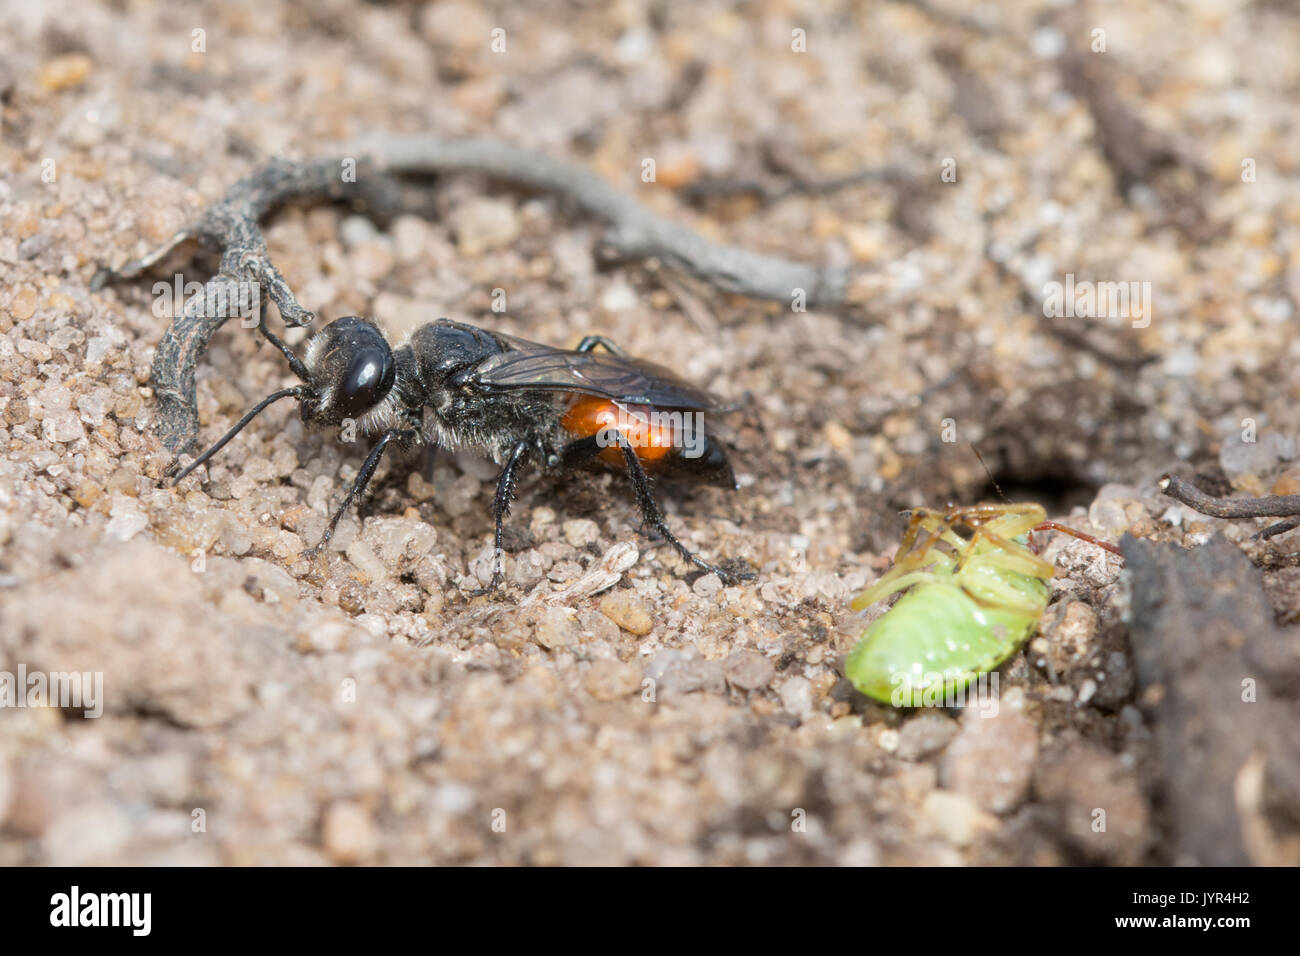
x,y
1044,525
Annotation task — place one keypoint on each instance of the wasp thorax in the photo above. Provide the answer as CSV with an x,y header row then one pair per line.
x,y
351,370
445,348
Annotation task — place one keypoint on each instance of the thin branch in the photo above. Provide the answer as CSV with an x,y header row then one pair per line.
x,y
724,187
635,231
1271,506
230,226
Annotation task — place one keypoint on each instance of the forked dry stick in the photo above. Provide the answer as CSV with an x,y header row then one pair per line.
x,y
365,173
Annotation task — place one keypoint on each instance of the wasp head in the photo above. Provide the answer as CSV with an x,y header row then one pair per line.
x,y
350,370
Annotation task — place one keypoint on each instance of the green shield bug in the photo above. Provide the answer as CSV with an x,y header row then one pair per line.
x,y
971,601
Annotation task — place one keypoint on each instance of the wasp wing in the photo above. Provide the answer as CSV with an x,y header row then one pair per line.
x,y
529,366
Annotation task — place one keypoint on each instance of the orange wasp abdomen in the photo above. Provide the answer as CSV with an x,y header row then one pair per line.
x,y
650,434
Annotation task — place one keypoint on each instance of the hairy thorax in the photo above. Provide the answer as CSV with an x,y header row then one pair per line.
x,y
459,418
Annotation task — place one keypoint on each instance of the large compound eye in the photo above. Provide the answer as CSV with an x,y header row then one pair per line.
x,y
369,377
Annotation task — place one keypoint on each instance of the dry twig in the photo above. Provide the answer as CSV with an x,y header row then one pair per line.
x,y
1271,506
231,227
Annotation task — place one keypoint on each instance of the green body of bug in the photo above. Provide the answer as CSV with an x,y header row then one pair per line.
x,y
970,603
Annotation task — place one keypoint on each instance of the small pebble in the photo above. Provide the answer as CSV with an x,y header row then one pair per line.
x,y
64,72
925,734
22,304
991,760
797,696
348,833
628,611
707,585
611,679
581,532
64,426
481,224
956,818
747,670
555,629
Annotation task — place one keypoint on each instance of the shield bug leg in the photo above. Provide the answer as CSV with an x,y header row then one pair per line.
x,y
1010,554
1065,529
891,585
913,558
500,508
997,527
358,486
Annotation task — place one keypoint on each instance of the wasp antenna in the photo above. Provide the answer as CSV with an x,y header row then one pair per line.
x,y
295,363
293,390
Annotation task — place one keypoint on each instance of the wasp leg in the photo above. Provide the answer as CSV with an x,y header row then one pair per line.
x,y
590,342
358,486
582,450
654,517
500,508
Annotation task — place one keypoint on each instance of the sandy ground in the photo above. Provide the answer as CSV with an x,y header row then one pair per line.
x,y
259,708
